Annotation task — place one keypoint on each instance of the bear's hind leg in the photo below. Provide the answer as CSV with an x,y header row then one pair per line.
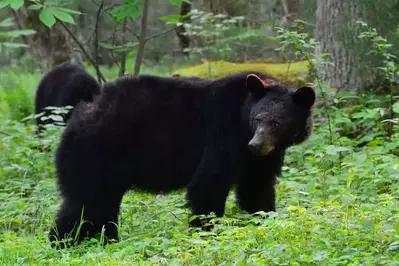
x,y
76,220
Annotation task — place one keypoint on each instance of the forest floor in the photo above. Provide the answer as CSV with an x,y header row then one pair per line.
x,y
337,204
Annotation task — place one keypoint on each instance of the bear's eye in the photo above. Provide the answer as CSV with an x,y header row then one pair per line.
x,y
274,124
257,120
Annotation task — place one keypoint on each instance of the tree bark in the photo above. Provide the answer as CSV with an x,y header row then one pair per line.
x,y
142,41
337,33
184,40
292,8
47,45
122,68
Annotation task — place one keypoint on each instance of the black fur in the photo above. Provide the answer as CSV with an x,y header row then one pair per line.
x,y
161,134
66,84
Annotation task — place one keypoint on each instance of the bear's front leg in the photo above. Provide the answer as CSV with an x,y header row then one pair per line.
x,y
257,196
210,186
255,189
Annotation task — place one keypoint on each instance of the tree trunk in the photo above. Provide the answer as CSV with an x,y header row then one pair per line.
x,y
337,34
142,41
47,45
122,68
292,8
184,40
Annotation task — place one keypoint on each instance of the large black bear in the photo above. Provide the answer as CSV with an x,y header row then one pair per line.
x,y
66,84
161,134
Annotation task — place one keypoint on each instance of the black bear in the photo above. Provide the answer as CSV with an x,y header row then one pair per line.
x,y
66,84
162,134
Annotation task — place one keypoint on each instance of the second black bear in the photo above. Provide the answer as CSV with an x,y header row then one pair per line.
x,y
161,134
66,84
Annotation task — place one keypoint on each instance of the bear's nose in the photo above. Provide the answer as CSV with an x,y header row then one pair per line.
x,y
254,147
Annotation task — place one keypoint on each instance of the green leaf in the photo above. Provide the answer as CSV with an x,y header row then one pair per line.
x,y
361,158
47,17
334,150
35,7
241,260
56,118
395,108
14,45
63,16
5,3
173,19
178,2
8,22
16,4
368,225
131,10
17,33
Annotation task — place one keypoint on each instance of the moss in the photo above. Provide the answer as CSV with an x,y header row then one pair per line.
x,y
295,73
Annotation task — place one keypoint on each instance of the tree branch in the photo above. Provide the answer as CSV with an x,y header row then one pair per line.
x,y
161,33
168,30
92,62
96,48
122,68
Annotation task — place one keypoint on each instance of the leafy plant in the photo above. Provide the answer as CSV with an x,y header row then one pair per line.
x,y
10,35
48,11
389,70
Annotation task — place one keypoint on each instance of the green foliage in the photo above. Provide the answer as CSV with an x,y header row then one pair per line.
x,y
338,196
380,47
10,35
337,205
337,202
132,9
214,35
16,93
49,12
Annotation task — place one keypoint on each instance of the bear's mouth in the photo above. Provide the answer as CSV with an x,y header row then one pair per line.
x,y
260,149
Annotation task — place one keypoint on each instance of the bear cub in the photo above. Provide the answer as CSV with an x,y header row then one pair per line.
x,y
160,134
66,84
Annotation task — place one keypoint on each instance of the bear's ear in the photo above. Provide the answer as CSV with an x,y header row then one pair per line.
x,y
305,96
256,85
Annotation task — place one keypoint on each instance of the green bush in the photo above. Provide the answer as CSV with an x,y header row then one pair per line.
x,y
17,92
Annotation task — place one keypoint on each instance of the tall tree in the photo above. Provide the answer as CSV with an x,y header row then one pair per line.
x,y
184,39
142,38
53,46
337,33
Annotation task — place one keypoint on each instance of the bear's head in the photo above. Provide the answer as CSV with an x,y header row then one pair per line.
x,y
280,115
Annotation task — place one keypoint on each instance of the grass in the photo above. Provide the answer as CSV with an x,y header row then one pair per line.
x,y
337,204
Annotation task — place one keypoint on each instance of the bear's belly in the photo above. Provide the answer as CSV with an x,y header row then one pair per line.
x,y
164,171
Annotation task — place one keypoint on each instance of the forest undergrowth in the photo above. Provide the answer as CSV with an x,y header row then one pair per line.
x,y
338,203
